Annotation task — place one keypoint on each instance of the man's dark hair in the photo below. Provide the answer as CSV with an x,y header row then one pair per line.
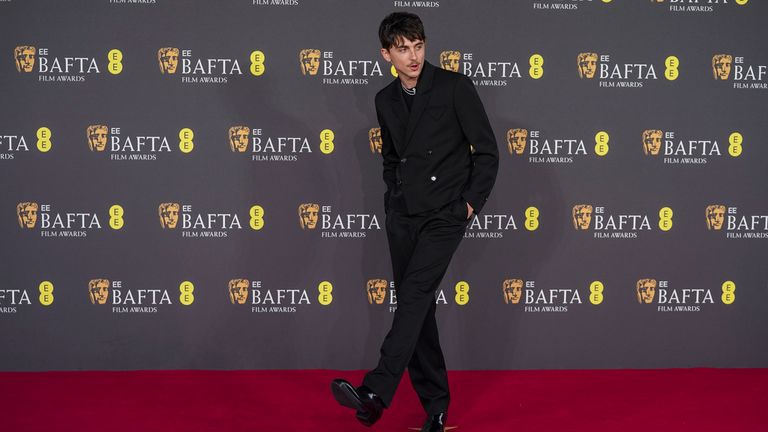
x,y
398,25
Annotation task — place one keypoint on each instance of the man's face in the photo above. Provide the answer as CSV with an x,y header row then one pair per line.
x,y
170,215
374,137
646,290
652,142
513,290
238,291
722,66
239,138
169,60
25,58
587,65
97,137
449,60
27,215
582,216
377,291
406,56
310,61
99,290
715,216
516,140
309,214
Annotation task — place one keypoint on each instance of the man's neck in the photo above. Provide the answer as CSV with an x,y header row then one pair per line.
x,y
408,82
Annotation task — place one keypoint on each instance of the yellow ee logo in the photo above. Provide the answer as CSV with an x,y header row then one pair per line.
x,y
729,292
741,2
601,143
186,297
326,141
665,218
116,217
325,297
257,217
671,64
596,292
115,57
185,140
537,66
462,293
43,139
531,218
257,63
393,71
734,144
46,293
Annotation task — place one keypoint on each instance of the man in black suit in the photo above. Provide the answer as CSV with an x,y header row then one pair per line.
x,y
440,163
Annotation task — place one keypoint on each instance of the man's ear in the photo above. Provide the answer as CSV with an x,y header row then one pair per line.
x,y
385,54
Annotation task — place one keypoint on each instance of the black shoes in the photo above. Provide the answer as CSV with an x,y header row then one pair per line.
x,y
435,423
368,404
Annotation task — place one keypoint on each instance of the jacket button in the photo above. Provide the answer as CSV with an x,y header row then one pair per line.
x,y
433,178
429,151
403,160
399,182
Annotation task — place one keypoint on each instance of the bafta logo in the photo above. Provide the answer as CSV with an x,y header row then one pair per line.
x,y
721,66
377,291
238,138
97,137
308,214
27,214
169,215
309,59
24,57
449,60
513,290
238,291
374,139
715,217
651,141
98,291
646,290
587,63
168,58
582,216
516,140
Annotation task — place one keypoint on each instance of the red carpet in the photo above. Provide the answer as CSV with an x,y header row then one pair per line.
x,y
613,400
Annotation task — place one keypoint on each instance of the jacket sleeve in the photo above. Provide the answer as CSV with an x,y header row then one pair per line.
x,y
476,127
389,156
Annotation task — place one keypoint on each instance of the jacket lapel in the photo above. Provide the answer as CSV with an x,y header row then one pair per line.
x,y
408,121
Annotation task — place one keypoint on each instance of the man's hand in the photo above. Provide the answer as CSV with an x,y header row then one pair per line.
x,y
469,210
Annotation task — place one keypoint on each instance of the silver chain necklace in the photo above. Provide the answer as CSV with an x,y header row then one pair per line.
x,y
411,92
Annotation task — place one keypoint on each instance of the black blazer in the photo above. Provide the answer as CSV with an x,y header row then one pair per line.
x,y
427,152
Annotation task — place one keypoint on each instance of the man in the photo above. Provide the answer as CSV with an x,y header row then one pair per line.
x,y
428,118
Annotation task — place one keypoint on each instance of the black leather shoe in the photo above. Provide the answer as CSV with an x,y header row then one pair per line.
x,y
368,404
435,423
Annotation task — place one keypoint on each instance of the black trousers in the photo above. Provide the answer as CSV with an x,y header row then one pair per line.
x,y
421,247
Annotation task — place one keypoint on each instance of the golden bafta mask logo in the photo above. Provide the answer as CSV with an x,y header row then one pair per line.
x,y
715,217
513,290
308,215
587,63
97,137
582,216
24,57
516,140
98,291
169,215
651,141
646,290
377,291
238,138
309,59
168,58
449,60
721,66
27,214
374,139
238,291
